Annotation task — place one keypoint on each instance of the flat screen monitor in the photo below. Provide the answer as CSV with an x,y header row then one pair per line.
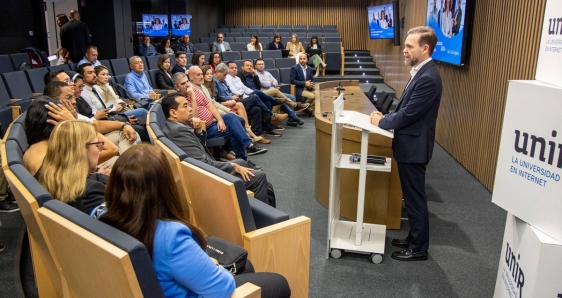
x,y
181,24
381,21
155,24
448,19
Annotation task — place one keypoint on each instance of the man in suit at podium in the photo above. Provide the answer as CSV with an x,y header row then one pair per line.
x,y
414,135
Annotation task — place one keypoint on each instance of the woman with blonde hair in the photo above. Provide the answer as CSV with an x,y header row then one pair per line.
x,y
68,169
110,98
296,49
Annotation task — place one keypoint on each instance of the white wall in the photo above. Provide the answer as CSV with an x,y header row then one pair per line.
x,y
53,9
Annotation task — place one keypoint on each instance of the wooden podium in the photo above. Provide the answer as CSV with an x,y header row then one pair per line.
x,y
383,195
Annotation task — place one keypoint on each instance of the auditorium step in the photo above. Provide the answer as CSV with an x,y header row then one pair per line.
x,y
360,78
360,64
360,71
357,53
358,59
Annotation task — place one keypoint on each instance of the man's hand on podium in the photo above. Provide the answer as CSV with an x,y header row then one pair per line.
x,y
376,116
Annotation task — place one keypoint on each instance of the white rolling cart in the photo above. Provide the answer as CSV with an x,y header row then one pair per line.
x,y
356,237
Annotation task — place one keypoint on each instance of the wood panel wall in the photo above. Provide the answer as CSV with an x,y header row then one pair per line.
x,y
505,40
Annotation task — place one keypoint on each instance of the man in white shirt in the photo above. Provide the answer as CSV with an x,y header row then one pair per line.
x,y
268,82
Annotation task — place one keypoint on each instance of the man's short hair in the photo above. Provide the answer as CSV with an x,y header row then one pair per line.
x,y
248,60
54,89
230,62
221,67
169,102
427,37
178,76
132,58
51,75
220,33
90,47
80,69
256,62
178,53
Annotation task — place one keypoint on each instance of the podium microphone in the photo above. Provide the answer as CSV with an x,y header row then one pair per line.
x,y
340,88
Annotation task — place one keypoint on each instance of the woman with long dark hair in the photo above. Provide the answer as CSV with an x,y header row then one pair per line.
x,y
153,215
214,60
198,59
254,44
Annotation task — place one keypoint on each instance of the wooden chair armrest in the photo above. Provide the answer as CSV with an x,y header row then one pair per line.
x,y
250,193
293,90
204,125
342,68
13,100
171,91
16,112
247,290
283,248
37,94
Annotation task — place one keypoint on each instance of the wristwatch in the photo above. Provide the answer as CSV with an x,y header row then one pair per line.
x,y
125,123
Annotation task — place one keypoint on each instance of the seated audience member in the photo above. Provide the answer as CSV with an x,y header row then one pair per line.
x,y
316,60
295,47
189,137
254,44
184,45
214,60
198,59
276,43
136,81
163,76
121,134
57,75
207,86
302,78
251,80
220,45
153,215
181,62
38,128
238,87
165,46
269,82
68,171
109,97
91,56
227,126
146,49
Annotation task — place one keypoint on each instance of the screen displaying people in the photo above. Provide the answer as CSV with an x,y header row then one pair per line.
x,y
446,17
381,21
181,24
155,24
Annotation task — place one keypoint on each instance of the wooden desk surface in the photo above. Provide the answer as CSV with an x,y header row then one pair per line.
x,y
383,196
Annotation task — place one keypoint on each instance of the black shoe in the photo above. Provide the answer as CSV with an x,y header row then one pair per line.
x,y
274,133
409,255
307,112
10,197
403,243
253,166
6,206
254,150
300,121
292,122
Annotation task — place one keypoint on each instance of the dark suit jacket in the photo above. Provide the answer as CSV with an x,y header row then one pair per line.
x,y
178,68
163,81
94,194
414,119
255,78
193,144
271,46
299,81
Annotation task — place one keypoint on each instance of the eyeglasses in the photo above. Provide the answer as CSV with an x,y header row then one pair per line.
x,y
79,86
98,144
70,97
69,82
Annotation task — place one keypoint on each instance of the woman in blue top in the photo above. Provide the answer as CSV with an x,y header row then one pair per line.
x,y
153,215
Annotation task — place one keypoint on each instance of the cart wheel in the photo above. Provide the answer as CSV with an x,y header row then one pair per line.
x,y
376,258
336,253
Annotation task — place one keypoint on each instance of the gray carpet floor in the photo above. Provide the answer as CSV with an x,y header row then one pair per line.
x,y
466,231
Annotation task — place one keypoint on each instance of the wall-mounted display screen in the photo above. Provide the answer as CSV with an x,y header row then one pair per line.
x,y
381,21
155,24
181,24
447,18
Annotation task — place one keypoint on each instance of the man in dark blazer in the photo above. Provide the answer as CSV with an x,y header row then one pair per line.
x,y
414,135
303,78
181,62
220,45
192,141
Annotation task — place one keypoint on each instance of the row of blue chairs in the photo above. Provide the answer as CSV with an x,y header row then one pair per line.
x,y
266,39
301,27
241,47
13,62
270,34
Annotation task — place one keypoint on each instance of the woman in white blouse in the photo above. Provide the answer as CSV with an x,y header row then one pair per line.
x,y
447,20
254,44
